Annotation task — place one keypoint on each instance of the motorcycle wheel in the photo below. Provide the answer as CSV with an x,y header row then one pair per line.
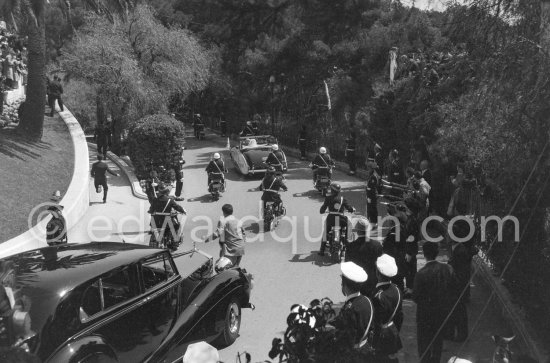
x,y
335,254
324,192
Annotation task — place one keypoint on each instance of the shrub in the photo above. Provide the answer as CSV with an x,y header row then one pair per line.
x,y
155,142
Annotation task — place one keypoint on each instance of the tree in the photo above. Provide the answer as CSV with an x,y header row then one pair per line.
x,y
155,141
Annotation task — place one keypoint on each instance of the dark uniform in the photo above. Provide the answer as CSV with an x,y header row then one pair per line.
x,y
323,161
178,169
271,186
216,169
102,138
379,160
460,260
394,246
255,127
388,319
197,126
364,252
165,204
99,169
352,321
152,189
302,142
223,126
336,205
372,198
350,154
275,159
56,229
395,173
412,229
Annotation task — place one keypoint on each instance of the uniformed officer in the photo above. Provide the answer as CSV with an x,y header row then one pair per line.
x,y
165,204
270,186
350,153
178,169
275,158
395,172
302,142
372,192
388,313
216,168
197,124
248,130
354,320
322,160
336,206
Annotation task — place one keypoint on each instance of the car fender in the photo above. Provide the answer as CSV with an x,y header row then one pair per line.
x,y
239,160
78,349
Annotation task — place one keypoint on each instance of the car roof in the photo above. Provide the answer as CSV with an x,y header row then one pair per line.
x,y
67,266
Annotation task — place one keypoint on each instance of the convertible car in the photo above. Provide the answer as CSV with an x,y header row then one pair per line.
x,y
250,155
114,302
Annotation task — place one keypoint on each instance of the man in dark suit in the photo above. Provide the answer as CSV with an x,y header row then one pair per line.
x,y
102,137
461,259
99,169
56,90
433,293
364,252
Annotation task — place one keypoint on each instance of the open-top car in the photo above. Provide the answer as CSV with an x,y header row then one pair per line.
x,y
250,155
115,302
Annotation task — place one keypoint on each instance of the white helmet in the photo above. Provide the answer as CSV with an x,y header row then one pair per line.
x,y
275,147
216,156
322,150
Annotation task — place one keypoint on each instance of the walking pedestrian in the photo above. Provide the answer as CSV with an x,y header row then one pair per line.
x,y
350,153
98,172
102,137
223,125
231,236
56,90
433,293
302,142
388,312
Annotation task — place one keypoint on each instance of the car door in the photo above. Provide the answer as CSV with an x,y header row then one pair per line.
x,y
131,317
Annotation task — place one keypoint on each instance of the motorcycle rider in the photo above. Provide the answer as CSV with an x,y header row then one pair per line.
x,y
336,205
197,125
275,158
248,130
322,159
165,204
270,186
216,168
56,229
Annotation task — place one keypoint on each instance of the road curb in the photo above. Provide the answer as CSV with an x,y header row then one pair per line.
x,y
127,170
76,198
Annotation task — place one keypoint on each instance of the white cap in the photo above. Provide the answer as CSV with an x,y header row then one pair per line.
x,y
386,265
201,352
322,150
216,156
459,360
249,123
353,272
275,147
56,196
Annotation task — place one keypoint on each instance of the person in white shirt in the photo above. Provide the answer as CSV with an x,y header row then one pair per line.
x,y
231,236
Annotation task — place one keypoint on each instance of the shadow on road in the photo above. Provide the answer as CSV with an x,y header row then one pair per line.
x,y
314,258
206,198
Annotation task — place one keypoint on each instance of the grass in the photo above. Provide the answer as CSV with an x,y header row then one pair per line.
x,y
30,172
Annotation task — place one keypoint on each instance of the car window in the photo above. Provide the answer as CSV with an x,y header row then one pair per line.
x,y
156,270
117,287
91,300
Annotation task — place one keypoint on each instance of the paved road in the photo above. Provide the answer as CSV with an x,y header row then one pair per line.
x,y
285,272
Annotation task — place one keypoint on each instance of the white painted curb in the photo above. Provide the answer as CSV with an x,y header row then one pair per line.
x,y
75,200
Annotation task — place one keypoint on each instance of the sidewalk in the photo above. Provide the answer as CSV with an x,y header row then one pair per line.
x,y
123,218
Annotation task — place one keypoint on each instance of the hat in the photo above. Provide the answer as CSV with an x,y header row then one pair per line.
x,y
458,360
386,265
322,150
217,156
371,163
377,147
353,272
335,187
201,352
275,147
270,170
56,196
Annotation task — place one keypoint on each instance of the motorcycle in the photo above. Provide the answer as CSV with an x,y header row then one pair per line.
x,y
323,181
337,239
272,215
163,236
216,186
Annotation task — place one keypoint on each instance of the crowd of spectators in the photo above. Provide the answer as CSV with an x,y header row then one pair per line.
x,y
13,60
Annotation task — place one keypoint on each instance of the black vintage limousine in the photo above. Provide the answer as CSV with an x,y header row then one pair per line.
x,y
114,302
